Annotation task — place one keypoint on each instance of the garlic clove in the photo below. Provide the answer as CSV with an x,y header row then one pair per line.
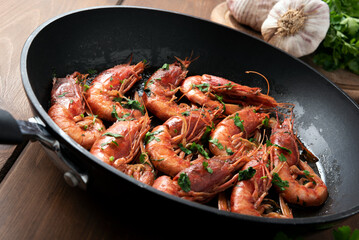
x,y
297,26
250,12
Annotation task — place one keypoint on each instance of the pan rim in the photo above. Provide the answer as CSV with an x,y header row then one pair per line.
x,y
323,219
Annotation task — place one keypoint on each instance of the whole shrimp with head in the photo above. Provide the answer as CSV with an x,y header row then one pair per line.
x,y
233,131
105,95
165,143
203,180
119,146
219,93
68,110
161,87
248,195
309,190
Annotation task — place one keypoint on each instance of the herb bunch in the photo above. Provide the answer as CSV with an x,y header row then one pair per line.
x,y
340,48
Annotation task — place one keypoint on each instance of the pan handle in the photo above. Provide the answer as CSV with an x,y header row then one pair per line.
x,y
16,131
10,132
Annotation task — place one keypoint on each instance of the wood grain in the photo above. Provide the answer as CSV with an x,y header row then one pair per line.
x,y
198,8
17,20
36,203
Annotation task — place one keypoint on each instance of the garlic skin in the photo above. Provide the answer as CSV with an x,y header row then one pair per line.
x,y
297,26
250,12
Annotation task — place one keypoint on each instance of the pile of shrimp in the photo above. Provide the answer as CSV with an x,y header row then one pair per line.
x,y
215,141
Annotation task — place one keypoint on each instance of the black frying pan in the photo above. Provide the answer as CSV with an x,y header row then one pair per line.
x,y
99,38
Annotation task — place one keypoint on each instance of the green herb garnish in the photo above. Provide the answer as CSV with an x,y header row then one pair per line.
x,y
165,66
238,122
205,166
115,135
198,147
340,48
185,150
216,143
184,182
282,158
151,136
276,180
62,95
246,174
204,87
220,99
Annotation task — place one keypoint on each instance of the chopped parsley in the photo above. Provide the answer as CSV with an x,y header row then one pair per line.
x,y
115,135
205,166
204,87
151,136
185,150
184,182
268,143
186,113
276,180
198,147
207,132
229,151
220,99
265,122
238,122
246,174
166,66
133,104
62,95
216,143
282,158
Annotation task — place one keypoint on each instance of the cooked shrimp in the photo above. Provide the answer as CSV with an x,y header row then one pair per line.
x,y
164,139
215,92
310,190
203,179
142,171
234,130
105,96
248,194
120,144
68,110
161,87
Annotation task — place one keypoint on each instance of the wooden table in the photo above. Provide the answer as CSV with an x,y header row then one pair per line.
x,y
35,201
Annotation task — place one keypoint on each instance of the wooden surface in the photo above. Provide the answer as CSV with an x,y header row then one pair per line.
x,y
35,202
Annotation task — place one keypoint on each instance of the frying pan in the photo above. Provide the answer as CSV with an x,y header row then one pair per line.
x,y
101,37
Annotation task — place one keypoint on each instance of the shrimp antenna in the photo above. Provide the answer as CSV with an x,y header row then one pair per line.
x,y
129,62
187,61
268,85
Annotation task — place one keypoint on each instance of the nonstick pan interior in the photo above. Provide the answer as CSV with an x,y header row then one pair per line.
x,y
99,38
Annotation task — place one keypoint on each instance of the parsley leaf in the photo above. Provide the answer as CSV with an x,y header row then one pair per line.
x,y
205,166
238,122
151,136
184,182
165,66
345,233
246,174
220,99
204,87
184,149
198,147
276,180
340,48
216,143
115,135
133,104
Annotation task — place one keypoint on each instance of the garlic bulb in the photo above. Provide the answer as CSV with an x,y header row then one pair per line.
x,y
297,26
250,12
